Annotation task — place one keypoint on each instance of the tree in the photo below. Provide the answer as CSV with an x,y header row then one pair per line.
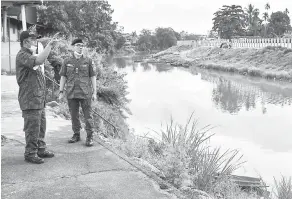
x,y
134,34
267,6
279,23
192,37
266,14
120,42
229,21
90,20
212,34
177,35
266,17
253,20
165,37
144,42
145,32
183,35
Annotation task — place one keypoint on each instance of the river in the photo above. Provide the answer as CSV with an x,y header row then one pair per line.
x,y
252,115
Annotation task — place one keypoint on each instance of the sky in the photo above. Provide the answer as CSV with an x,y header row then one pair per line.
x,y
188,15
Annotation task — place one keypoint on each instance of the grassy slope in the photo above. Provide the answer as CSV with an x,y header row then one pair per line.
x,y
269,62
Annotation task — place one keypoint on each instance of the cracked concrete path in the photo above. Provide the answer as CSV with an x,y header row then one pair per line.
x,y
76,171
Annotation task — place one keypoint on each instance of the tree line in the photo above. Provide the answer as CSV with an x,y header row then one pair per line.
x,y
92,21
159,39
234,21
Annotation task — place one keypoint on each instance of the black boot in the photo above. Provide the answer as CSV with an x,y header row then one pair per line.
x,y
75,138
45,154
89,140
34,159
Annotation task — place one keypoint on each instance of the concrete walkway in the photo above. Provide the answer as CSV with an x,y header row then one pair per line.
x,y
76,171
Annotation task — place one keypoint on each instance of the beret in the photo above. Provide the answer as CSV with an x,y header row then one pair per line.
x,y
76,41
26,34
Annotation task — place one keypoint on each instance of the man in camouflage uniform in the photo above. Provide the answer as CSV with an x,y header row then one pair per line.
x,y
79,74
31,96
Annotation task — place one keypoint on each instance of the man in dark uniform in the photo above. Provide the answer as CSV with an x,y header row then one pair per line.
x,y
79,74
31,96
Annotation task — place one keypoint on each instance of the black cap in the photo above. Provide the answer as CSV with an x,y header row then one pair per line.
x,y
76,41
26,34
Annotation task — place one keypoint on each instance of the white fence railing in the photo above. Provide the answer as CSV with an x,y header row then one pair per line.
x,y
240,43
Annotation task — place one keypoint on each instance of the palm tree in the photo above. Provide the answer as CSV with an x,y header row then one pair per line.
x,y
286,11
266,16
267,6
254,21
249,10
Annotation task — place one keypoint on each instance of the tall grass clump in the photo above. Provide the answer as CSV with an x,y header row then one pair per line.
x,y
185,159
205,166
283,188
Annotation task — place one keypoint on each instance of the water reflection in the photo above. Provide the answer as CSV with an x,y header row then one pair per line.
x,y
122,62
229,94
232,96
146,66
231,99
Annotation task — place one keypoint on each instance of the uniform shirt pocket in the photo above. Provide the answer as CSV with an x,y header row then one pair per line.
x,y
70,70
84,70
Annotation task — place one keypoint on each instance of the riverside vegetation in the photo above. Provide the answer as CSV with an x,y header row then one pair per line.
x,y
179,155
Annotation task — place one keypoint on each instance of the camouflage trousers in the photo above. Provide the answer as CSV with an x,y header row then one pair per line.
x,y
74,105
35,130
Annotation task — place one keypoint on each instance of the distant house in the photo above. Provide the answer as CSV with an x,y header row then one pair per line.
x,y
17,16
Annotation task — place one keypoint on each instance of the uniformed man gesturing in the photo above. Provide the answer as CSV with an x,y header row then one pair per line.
x,y
31,96
79,74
